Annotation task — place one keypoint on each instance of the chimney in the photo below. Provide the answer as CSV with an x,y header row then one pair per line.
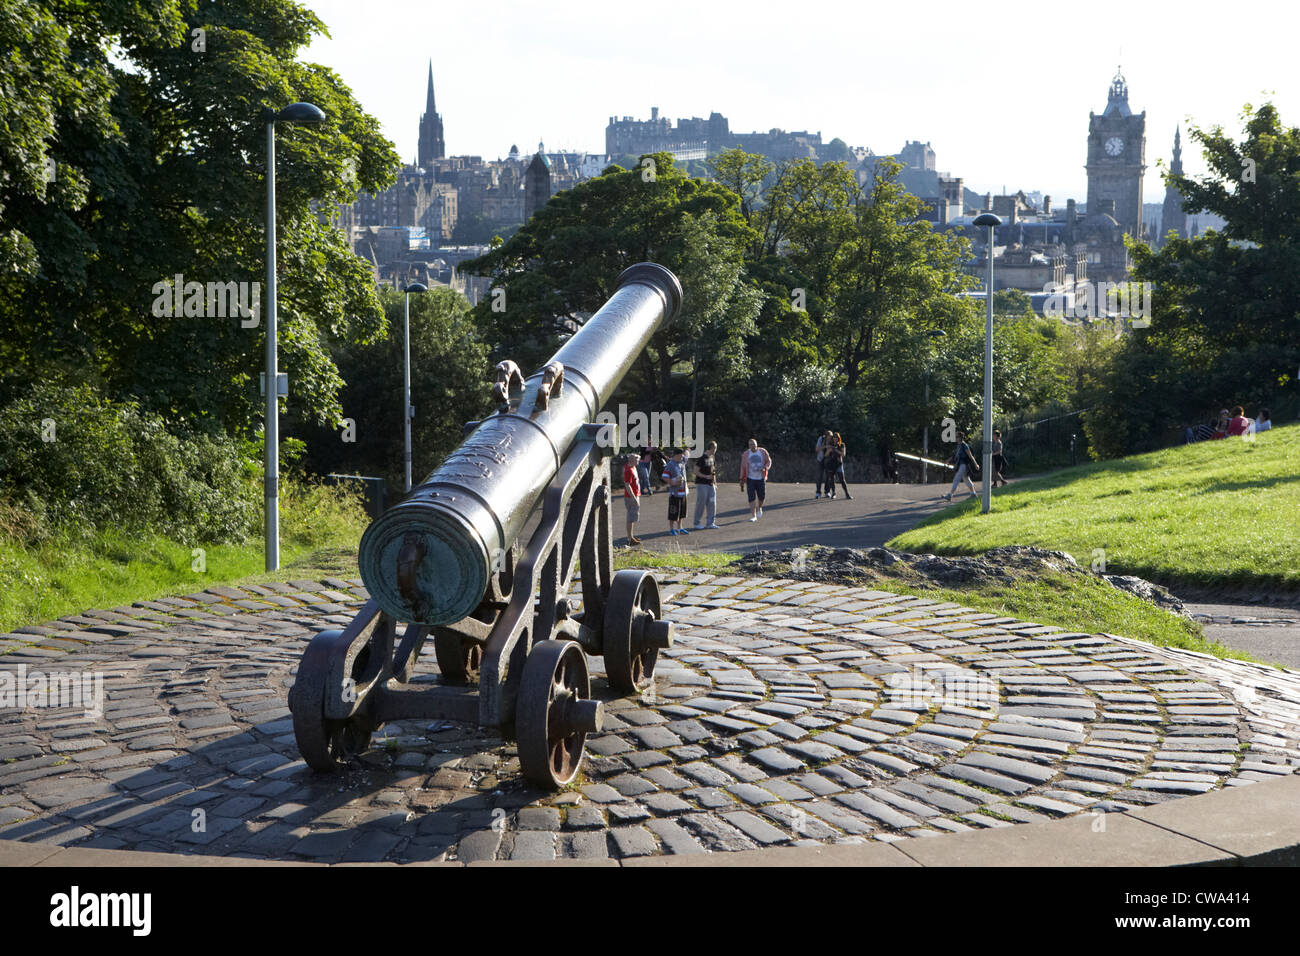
x,y
988,202
1047,205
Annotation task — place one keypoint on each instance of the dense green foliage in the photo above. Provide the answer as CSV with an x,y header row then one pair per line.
x,y
133,150
76,568
811,301
72,458
449,376
1225,324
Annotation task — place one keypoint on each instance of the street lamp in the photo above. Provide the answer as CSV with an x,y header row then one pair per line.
x,y
409,412
925,435
293,113
989,220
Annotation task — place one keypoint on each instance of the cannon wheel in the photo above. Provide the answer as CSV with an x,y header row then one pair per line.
x,y
554,681
629,662
459,658
326,744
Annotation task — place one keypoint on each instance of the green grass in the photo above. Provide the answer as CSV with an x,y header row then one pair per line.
x,y
68,573
1204,515
1074,601
1080,603
691,560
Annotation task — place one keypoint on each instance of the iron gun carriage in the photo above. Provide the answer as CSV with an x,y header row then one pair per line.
x,y
453,562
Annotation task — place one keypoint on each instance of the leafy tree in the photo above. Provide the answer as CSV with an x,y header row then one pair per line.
x,y
449,386
561,267
889,272
159,150
1225,325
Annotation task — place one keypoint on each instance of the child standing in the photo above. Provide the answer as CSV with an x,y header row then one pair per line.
x,y
675,475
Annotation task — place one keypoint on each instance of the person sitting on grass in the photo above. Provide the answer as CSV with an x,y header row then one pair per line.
x,y
1265,421
1221,427
674,475
1240,423
632,496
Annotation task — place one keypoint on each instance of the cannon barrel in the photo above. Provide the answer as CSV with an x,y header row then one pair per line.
x,y
428,559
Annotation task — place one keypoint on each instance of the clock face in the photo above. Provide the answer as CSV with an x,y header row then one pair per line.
x,y
1114,146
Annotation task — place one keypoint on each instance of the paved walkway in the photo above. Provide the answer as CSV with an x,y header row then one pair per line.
x,y
788,714
1269,633
791,517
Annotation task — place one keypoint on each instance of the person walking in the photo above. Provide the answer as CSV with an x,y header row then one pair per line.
x,y
823,442
675,477
754,465
998,461
632,496
966,466
706,488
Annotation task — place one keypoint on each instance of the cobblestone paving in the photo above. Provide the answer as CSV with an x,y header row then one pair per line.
x,y
787,713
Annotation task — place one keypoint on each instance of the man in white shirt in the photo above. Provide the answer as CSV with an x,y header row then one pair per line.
x,y
754,465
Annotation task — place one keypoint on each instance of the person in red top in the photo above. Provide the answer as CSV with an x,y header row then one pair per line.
x,y
1240,423
632,495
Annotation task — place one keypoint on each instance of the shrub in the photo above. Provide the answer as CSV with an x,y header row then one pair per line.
x,y
74,459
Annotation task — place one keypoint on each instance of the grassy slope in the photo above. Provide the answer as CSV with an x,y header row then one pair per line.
x,y
67,574
1075,602
1220,512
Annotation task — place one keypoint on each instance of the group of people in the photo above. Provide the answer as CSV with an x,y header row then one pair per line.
x,y
755,462
831,452
1228,424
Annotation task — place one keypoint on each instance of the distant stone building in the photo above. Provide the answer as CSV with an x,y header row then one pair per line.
x,y
432,146
1172,217
416,199
697,138
537,185
1117,160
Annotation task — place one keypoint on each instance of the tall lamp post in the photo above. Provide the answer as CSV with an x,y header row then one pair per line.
x,y
293,113
408,412
925,435
989,220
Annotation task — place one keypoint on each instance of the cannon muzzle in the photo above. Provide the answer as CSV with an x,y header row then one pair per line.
x,y
429,559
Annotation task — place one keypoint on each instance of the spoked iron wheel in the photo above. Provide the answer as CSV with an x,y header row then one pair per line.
x,y
459,658
633,634
554,713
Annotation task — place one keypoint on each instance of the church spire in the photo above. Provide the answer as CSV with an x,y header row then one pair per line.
x,y
432,145
1176,167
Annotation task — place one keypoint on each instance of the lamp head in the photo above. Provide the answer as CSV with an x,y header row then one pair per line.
x,y
301,113
987,219
416,287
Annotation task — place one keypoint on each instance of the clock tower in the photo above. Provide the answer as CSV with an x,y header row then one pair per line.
x,y
1117,160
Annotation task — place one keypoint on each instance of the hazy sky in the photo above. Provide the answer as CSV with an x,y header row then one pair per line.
x,y
1002,90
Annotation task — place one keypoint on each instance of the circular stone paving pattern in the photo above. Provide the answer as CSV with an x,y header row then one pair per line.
x,y
787,713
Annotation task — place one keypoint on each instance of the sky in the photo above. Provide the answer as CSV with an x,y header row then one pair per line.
x,y
1001,91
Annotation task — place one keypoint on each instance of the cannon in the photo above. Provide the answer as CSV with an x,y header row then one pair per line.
x,y
456,562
